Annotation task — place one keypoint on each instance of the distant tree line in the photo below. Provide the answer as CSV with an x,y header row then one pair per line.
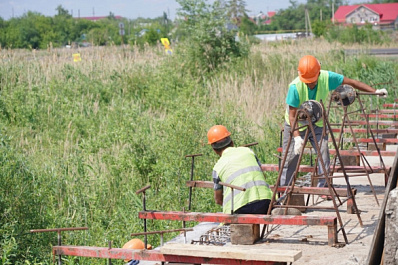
x,y
36,31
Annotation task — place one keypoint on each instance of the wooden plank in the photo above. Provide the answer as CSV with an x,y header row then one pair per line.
x,y
377,246
232,252
150,255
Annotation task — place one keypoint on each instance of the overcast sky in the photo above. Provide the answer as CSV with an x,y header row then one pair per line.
x,y
126,8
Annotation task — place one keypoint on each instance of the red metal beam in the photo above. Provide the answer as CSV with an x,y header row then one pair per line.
x,y
329,221
238,218
356,130
152,255
385,111
370,140
381,116
390,105
384,123
355,152
297,190
309,169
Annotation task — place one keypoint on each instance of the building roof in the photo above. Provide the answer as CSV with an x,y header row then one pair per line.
x,y
387,12
99,18
271,14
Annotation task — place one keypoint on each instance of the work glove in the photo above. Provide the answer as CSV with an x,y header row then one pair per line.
x,y
298,144
384,91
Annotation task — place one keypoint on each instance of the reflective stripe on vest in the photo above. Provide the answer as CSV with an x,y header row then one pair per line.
x,y
246,186
302,90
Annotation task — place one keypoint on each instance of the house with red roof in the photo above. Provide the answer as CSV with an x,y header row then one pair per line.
x,y
381,16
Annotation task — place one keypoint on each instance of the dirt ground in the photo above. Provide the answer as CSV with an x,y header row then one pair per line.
x,y
312,240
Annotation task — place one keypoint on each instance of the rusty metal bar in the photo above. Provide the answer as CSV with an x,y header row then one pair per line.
x,y
191,178
250,144
150,255
57,229
142,189
162,232
232,186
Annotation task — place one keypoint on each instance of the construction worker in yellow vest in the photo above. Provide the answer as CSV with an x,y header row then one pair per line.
x,y
237,166
312,83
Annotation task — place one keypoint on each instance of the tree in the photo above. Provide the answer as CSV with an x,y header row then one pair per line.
x,y
62,11
208,42
236,10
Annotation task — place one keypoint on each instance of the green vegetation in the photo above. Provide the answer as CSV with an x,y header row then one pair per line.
x,y
77,139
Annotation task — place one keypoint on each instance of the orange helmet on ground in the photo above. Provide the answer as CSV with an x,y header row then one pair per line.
x,y
308,69
135,243
217,133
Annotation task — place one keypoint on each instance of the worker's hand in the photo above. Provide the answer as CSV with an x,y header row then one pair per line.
x,y
298,144
384,91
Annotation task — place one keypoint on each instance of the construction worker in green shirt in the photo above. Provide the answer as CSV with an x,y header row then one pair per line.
x,y
312,83
237,166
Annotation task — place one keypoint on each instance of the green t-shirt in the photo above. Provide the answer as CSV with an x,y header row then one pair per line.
x,y
292,98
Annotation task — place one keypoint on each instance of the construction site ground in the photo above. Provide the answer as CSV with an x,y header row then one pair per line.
x,y
313,240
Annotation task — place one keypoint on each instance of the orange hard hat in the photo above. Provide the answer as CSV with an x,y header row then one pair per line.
x,y
308,69
135,243
217,133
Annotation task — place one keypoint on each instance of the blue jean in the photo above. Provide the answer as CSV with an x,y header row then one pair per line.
x,y
292,159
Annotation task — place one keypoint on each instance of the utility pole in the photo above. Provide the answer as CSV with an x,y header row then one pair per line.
x,y
306,26
333,11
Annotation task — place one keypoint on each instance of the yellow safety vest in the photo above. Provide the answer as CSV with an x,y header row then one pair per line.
x,y
302,89
238,166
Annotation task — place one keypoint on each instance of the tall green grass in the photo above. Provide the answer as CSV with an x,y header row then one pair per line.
x,y
79,138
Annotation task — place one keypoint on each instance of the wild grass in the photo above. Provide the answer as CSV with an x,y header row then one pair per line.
x,y
77,139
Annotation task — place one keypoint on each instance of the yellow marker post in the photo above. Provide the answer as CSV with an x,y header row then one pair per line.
x,y
76,57
166,44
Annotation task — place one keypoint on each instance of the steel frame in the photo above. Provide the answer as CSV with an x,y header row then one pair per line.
x,y
336,97
329,221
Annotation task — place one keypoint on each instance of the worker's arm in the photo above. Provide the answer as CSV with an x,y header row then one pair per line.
x,y
358,85
218,196
292,117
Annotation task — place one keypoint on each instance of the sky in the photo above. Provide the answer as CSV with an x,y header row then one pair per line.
x,y
130,9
